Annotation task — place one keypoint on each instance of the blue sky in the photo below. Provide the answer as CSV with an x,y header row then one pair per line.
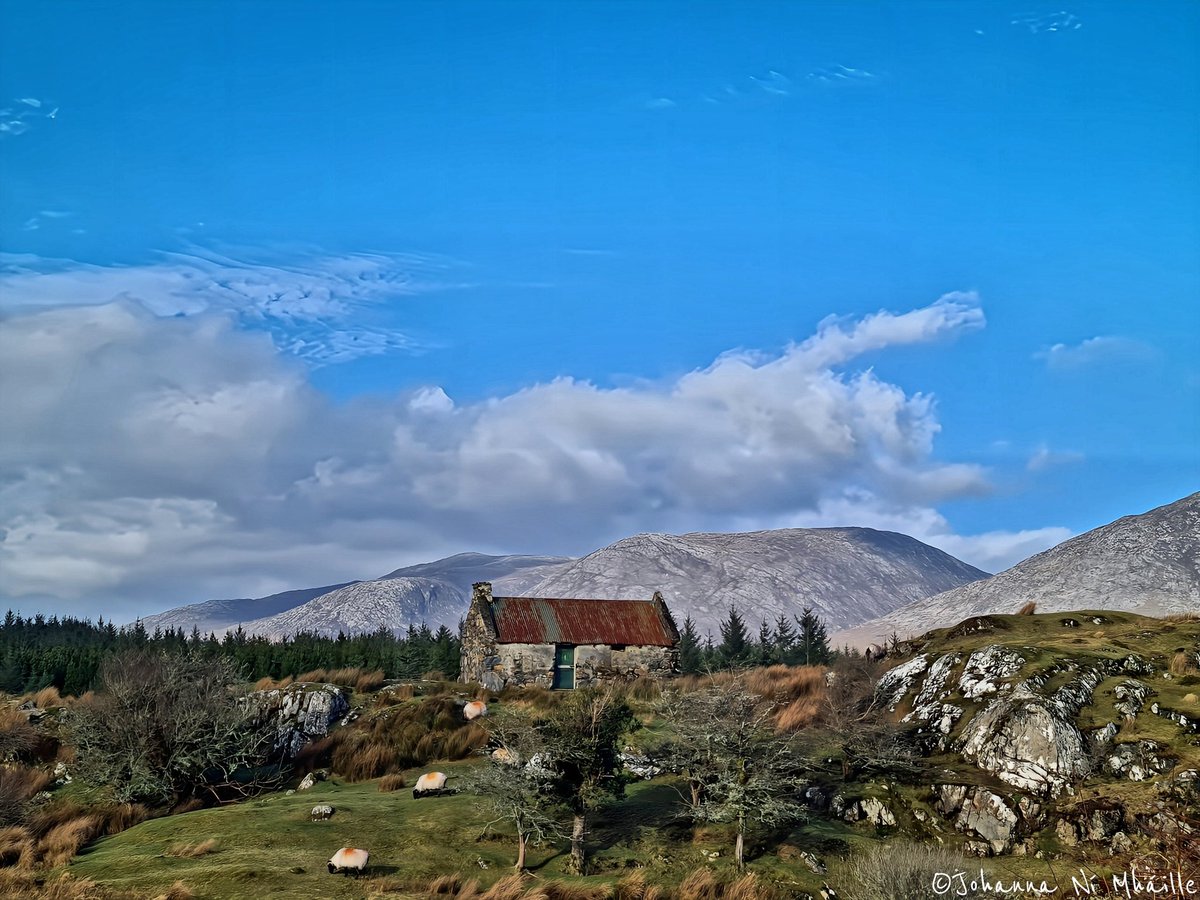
x,y
375,234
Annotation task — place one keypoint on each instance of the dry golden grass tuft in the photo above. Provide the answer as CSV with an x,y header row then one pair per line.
x,y
18,884
699,884
644,688
63,841
389,783
14,844
177,891
1027,609
1181,663
369,682
193,851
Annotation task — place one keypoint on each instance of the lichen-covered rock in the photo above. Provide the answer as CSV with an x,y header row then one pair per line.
x,y
301,713
876,811
929,707
1026,742
987,815
897,682
950,798
987,671
1131,697
1137,760
307,782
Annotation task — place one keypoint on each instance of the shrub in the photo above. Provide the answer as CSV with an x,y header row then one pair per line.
x,y
1027,609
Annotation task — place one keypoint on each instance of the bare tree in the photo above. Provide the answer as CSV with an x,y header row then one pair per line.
x,y
740,770
167,726
516,783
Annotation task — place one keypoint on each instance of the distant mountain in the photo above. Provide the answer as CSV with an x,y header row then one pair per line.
x,y
435,593
217,615
848,575
1148,564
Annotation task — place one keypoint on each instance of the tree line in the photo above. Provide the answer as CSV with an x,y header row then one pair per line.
x,y
799,641
68,653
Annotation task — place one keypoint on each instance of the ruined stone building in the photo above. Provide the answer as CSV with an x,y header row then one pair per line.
x,y
562,644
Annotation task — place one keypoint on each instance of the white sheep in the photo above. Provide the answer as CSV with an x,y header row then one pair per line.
x,y
430,783
348,860
474,710
323,811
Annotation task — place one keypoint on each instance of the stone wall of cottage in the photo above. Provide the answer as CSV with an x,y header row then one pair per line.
x,y
523,664
478,658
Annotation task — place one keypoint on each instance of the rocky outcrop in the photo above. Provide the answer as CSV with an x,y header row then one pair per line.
x,y
1024,741
989,816
299,713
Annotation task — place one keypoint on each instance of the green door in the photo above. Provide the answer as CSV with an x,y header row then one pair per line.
x,y
564,667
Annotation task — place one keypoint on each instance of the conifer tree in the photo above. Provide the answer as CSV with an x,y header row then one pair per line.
x,y
690,651
813,645
734,647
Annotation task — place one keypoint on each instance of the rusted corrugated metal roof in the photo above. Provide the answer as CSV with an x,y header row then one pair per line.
x,y
537,620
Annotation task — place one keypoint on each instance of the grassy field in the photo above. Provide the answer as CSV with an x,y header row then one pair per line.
x,y
271,848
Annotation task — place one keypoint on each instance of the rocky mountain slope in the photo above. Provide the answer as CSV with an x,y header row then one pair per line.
x,y
1147,563
217,615
436,593
1045,732
847,575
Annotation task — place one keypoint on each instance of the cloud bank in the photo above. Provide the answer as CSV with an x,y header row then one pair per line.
x,y
165,458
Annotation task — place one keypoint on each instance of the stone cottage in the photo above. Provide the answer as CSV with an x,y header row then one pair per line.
x,y
562,644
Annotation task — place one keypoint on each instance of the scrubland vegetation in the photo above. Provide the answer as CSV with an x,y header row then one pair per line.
x,y
545,801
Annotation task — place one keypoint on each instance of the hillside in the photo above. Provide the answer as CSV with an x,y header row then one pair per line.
x,y
1148,563
217,615
435,593
847,575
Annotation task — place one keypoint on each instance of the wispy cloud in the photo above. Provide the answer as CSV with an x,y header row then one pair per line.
x,y
1044,458
1045,23
1099,350
840,75
661,103
318,307
23,113
34,222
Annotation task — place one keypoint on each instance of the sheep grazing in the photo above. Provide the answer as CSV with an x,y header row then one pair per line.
x,y
504,756
348,860
324,811
474,710
431,784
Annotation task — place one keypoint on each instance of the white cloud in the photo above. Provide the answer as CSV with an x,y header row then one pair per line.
x,y
314,309
169,459
992,551
1096,351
